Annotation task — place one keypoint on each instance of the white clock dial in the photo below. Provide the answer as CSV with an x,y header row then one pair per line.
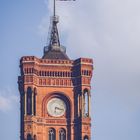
x,y
56,107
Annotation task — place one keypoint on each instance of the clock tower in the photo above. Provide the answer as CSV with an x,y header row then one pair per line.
x,y
55,94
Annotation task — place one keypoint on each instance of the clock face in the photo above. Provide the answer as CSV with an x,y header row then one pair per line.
x,y
56,107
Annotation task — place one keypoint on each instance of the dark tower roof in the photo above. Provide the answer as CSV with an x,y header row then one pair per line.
x,y
54,50
55,55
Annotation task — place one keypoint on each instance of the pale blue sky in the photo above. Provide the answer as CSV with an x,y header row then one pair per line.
x,y
106,30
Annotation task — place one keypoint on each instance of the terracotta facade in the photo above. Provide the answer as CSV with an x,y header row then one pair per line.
x,y
44,79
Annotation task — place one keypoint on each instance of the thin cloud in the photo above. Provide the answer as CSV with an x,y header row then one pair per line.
x,y
7,100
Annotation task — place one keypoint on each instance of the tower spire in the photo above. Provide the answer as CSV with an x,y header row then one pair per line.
x,y
54,35
54,50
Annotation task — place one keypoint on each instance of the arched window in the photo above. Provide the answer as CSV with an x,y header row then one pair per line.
x,y
32,70
29,137
52,135
35,93
60,74
86,138
63,74
62,134
27,71
66,74
53,73
29,101
48,73
39,73
42,73
86,103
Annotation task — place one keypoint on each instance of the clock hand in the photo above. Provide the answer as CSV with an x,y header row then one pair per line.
x,y
58,108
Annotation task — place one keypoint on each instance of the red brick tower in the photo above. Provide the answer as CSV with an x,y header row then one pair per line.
x,y
55,94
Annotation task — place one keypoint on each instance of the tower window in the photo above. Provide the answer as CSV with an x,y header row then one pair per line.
x,y
55,73
29,101
66,74
86,138
39,73
43,73
34,103
86,103
27,70
29,137
52,135
61,74
62,134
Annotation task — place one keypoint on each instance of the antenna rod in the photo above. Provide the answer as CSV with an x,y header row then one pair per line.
x,y
54,7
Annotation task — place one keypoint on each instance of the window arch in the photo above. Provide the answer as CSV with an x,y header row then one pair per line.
x,y
52,134
62,134
86,138
29,137
29,101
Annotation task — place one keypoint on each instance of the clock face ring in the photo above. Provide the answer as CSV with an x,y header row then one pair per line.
x,y
56,107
